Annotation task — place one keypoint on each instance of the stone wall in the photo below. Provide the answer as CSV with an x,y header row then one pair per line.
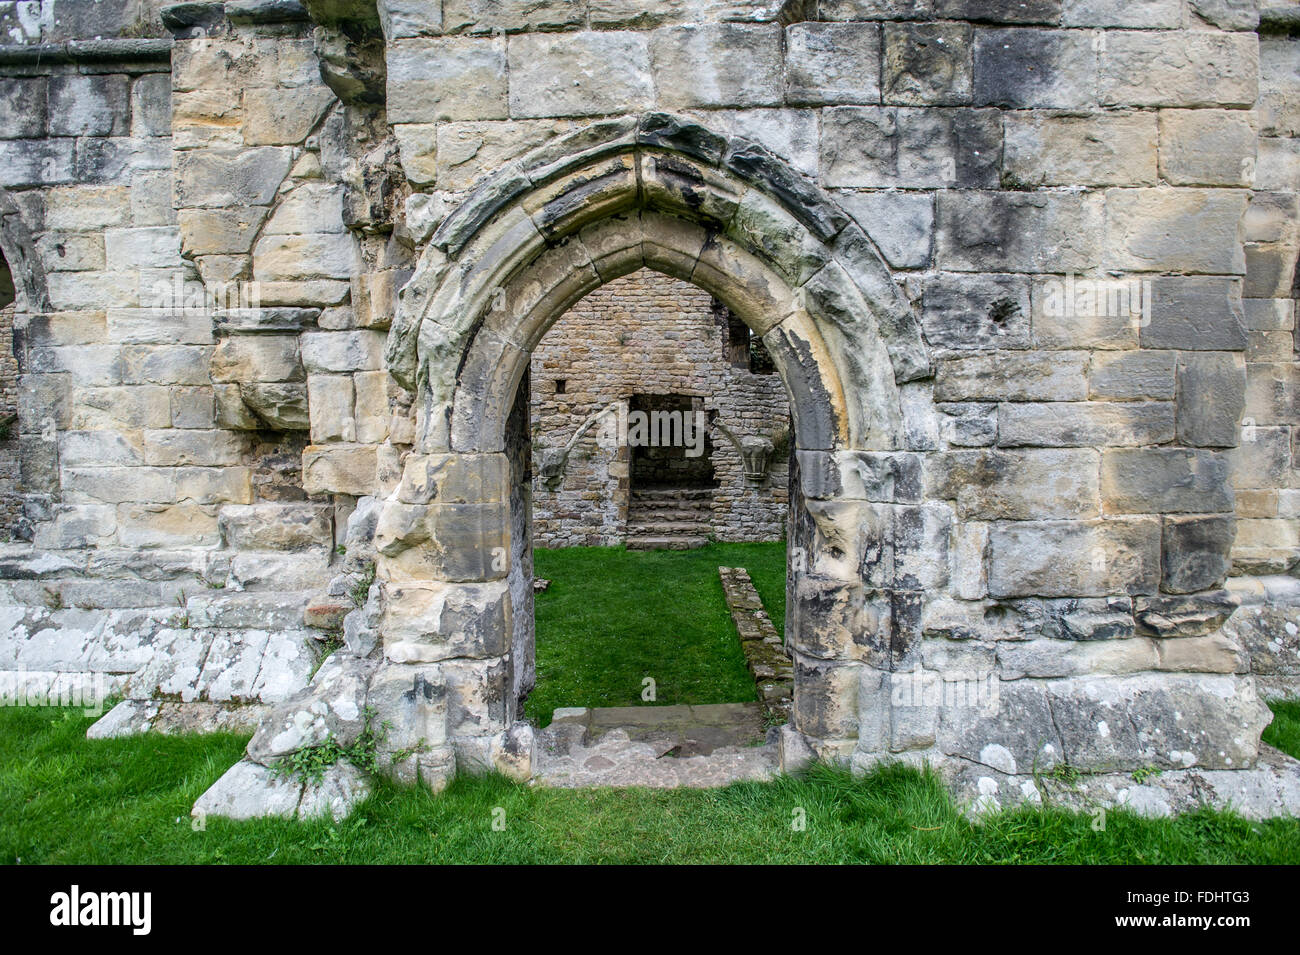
x,y
647,334
1026,271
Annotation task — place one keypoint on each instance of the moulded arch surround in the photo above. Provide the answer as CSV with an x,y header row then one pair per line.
x,y
664,193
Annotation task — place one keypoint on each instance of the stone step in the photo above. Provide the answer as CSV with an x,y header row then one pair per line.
x,y
666,543
655,528
672,494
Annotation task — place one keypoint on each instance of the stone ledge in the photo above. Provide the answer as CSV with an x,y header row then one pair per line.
x,y
127,51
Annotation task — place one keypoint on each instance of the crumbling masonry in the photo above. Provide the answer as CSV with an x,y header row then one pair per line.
x,y
1026,271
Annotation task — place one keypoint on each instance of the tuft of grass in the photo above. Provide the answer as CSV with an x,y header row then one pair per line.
x,y
613,617
66,799
1284,731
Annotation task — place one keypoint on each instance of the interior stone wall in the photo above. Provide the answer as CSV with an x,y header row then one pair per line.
x,y
647,334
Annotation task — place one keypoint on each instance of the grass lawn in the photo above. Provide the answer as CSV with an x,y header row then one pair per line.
x,y
613,617
64,798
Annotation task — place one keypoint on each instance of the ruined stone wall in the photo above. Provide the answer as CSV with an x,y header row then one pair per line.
x,y
1039,488
647,334
1264,474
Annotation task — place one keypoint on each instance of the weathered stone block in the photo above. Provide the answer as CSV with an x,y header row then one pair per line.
x,y
900,223
1195,313
1211,398
1195,69
1017,485
1099,149
1074,558
1165,480
1131,375
1022,232
1194,553
340,469
291,527
913,148
217,178
1013,376
717,64
1206,147
1085,424
428,623
927,64
1035,68
575,74
835,63
454,479
982,312
89,106
449,78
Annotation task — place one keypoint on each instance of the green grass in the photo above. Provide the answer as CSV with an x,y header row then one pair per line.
x,y
1284,731
66,799
613,617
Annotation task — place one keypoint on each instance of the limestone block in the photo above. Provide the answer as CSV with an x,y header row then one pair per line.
x,y
339,469
832,63
340,789
87,207
1085,423
25,102
100,448
418,146
900,223
1194,69
717,64
1122,13
1098,149
826,698
408,18
1194,553
89,105
1062,658
1017,485
151,105
77,525
249,791
341,352
1084,312
492,16
1019,231
910,147
175,447
452,542
71,253
927,64
1272,396
166,364
36,162
1074,558
1055,69
167,525
427,623
1165,480
413,700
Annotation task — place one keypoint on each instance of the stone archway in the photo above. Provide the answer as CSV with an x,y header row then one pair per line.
x,y
453,608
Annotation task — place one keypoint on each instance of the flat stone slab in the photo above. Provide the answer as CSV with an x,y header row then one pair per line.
x,y
250,791
656,746
140,716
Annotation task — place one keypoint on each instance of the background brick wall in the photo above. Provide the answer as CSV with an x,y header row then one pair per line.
x,y
647,334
